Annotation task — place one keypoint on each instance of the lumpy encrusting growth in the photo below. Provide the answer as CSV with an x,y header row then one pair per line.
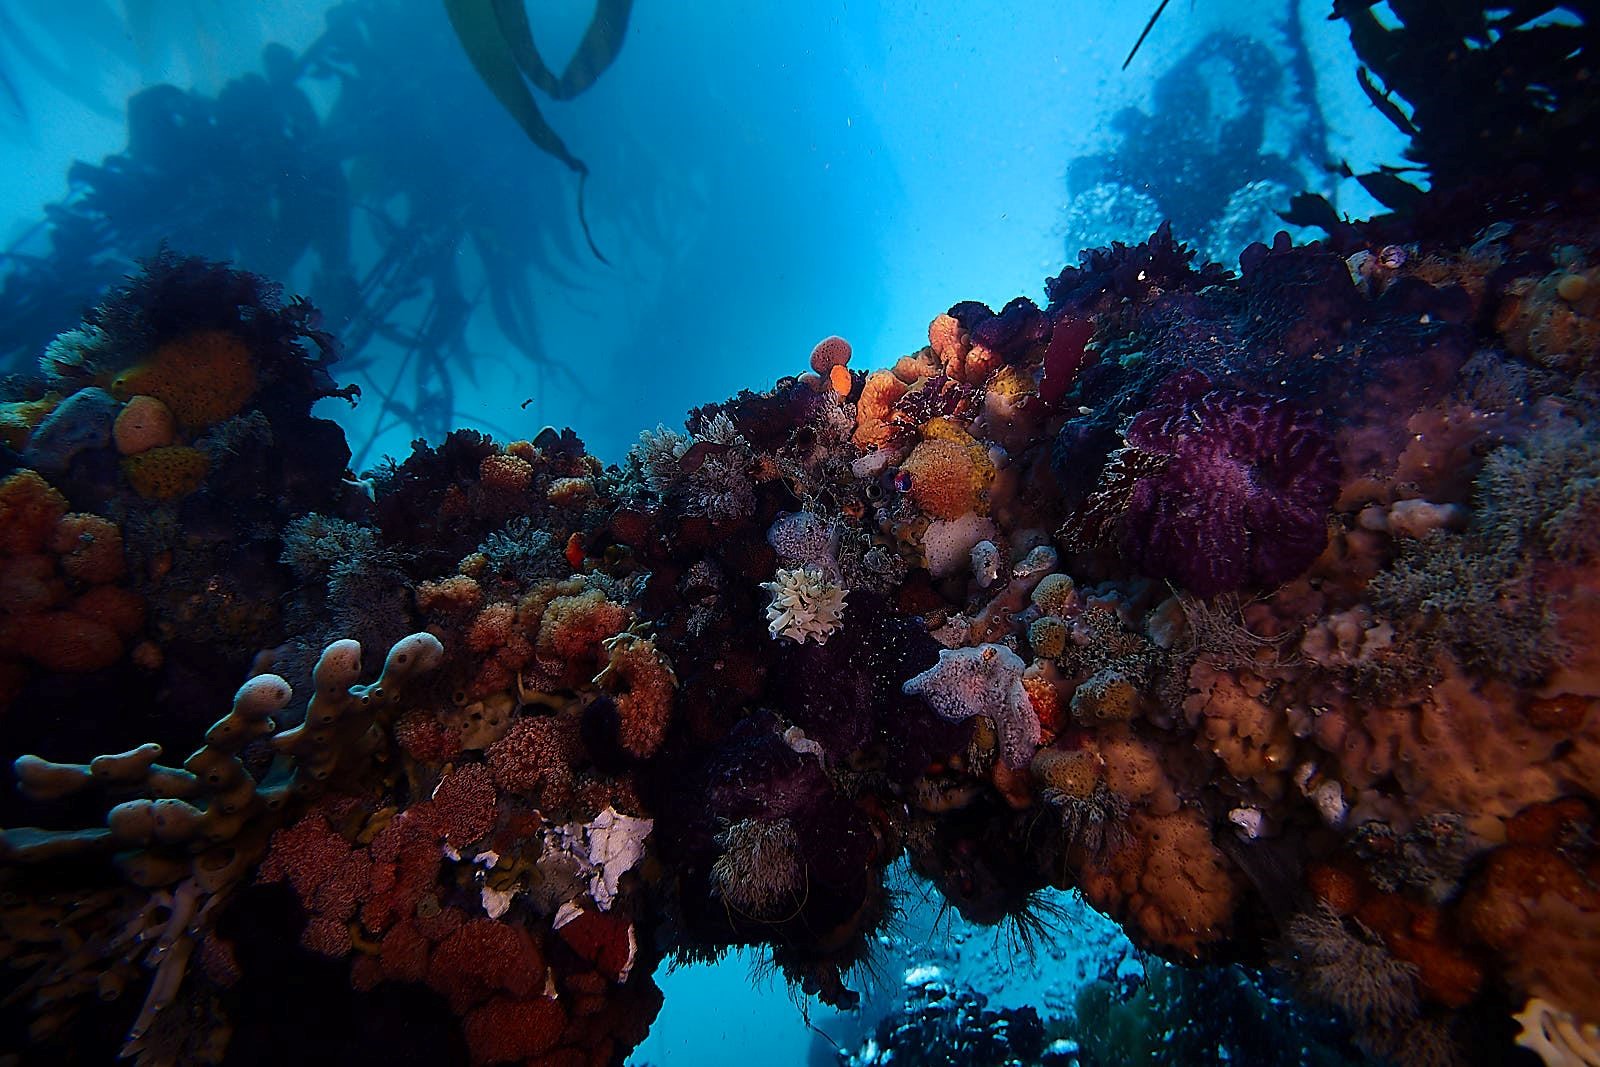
x,y
986,680
1262,611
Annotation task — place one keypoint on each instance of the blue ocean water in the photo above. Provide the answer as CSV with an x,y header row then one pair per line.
x,y
717,1014
761,175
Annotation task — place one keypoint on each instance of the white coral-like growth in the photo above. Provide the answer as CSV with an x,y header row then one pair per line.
x,y
659,454
605,849
718,483
1558,1037
77,356
720,430
804,605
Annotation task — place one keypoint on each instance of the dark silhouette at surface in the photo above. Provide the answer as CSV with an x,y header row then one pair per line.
x,y
368,208
498,39
1191,151
1490,95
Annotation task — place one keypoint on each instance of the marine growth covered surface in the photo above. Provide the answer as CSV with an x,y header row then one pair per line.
x,y
1260,606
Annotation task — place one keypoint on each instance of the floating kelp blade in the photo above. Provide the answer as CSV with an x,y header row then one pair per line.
x,y
598,49
9,90
501,59
583,221
478,28
1148,26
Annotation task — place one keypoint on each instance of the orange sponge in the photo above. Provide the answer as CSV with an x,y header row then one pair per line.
x,y
877,400
457,594
114,606
30,584
29,509
950,472
90,548
1169,883
644,684
66,641
960,358
1074,772
573,627
145,423
502,473
202,377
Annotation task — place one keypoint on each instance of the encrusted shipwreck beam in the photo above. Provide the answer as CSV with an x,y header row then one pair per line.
x,y
1262,610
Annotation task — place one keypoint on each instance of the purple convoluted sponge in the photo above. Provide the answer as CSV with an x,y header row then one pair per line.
x,y
1244,494
1008,332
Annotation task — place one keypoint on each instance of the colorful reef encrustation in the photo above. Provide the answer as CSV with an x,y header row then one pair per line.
x,y
1263,608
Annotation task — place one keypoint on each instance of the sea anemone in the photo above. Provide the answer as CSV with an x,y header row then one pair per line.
x,y
805,605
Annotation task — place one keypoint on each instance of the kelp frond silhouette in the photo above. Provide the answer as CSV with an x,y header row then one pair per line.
x,y
1149,25
62,47
498,40
400,248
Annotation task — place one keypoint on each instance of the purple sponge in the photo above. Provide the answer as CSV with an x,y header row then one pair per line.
x,y
1244,495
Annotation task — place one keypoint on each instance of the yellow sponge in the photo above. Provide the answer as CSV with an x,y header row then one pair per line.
x,y
203,377
167,472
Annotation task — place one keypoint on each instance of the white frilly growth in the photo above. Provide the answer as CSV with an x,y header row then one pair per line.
x,y
1558,1037
805,605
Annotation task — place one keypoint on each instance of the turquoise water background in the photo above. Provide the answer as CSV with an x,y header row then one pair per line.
x,y
716,1015
804,170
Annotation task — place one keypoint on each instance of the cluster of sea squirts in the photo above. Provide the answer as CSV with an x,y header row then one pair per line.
x,y
1263,609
